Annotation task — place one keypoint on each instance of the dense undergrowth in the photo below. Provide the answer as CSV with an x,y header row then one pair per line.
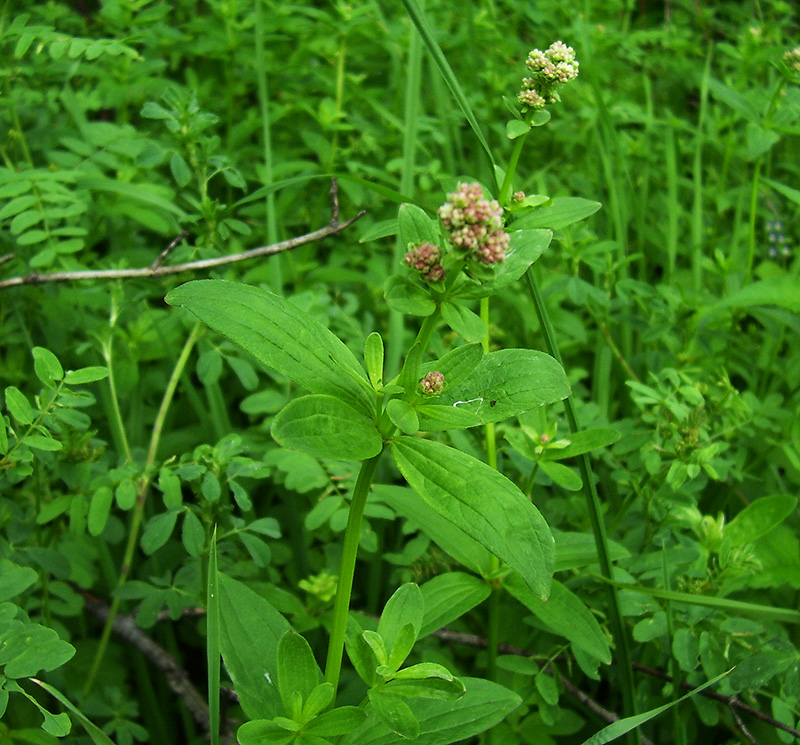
x,y
136,445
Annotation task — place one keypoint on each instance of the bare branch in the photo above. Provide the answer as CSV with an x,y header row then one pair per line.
x,y
156,269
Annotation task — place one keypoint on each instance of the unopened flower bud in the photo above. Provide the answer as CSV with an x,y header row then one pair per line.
x,y
432,384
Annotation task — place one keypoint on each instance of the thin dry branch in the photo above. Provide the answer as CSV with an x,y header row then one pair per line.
x,y
157,269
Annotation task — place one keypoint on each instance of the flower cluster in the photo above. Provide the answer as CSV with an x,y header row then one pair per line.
x,y
792,59
475,224
432,384
778,242
549,70
426,258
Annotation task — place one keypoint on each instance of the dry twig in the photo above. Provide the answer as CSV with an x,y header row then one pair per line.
x,y
157,269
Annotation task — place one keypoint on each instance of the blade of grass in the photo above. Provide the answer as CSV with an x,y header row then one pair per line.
x,y
419,20
697,182
678,727
738,607
618,630
410,124
623,726
212,640
266,136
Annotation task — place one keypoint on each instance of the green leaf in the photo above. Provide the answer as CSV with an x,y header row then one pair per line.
x,y
85,375
410,374
373,359
326,427
404,296
41,442
504,384
784,292
565,477
170,486
456,365
483,705
375,641
180,169
318,700
483,503
436,417
193,536
99,510
280,336
451,539
58,725
446,688
47,367
18,406
757,519
213,653
14,579
338,722
464,322
27,647
125,494
517,128
210,487
3,436
361,654
561,212
97,735
448,597
158,530
263,732
565,615
402,646
395,714
623,726
250,629
403,416
416,226
583,442
405,606
297,668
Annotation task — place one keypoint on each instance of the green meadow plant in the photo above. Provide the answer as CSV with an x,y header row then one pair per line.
x,y
507,465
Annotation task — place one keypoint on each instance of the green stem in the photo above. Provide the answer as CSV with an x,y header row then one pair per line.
x,y
505,189
493,636
276,279
347,568
751,232
428,325
141,500
618,629
119,427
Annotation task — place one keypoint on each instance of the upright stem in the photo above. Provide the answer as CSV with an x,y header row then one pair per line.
x,y
347,568
596,518
141,499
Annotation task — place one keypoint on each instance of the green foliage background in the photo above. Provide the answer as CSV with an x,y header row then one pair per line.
x,y
127,122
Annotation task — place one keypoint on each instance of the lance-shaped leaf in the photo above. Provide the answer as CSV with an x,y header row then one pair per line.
x,y
326,427
279,335
441,722
503,384
483,503
566,615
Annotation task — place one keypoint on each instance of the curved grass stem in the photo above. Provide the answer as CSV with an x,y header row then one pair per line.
x,y
618,630
141,500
